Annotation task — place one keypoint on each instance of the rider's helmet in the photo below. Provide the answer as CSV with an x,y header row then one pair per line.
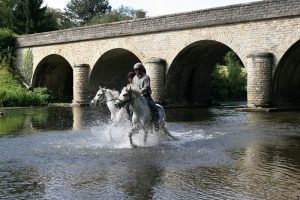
x,y
138,66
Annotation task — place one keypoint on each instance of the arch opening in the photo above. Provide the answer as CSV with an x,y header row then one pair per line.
x,y
111,69
56,74
190,75
286,79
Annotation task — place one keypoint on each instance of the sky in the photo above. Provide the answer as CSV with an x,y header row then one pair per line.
x,y
159,7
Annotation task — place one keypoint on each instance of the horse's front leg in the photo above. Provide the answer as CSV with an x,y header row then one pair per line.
x,y
131,133
110,131
145,136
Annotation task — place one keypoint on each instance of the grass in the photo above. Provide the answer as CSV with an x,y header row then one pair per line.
x,y
12,93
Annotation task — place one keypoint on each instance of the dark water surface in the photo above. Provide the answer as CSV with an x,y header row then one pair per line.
x,y
64,153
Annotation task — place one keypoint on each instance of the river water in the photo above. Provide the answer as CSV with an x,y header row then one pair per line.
x,y
66,153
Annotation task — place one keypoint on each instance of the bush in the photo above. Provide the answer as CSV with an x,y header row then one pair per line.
x,y
229,82
13,94
24,98
7,42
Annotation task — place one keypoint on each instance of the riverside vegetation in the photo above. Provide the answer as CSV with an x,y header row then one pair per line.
x,y
12,92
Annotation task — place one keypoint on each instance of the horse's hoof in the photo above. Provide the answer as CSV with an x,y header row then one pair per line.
x,y
134,146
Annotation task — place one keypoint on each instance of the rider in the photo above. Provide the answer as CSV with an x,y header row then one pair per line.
x,y
130,76
142,82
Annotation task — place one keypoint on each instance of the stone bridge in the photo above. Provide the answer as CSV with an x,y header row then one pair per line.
x,y
179,52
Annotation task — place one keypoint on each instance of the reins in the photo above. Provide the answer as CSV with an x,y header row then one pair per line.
x,y
130,98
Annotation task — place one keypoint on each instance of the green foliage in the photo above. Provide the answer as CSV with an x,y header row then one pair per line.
x,y
33,18
229,82
26,16
121,14
7,39
82,11
62,20
7,18
28,66
13,94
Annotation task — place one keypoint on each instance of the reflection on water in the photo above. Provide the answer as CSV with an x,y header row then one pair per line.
x,y
60,153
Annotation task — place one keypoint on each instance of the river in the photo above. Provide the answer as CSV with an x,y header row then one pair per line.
x,y
65,153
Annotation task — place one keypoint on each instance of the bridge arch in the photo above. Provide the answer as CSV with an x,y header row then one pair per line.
x,y
111,69
189,75
285,45
286,78
55,73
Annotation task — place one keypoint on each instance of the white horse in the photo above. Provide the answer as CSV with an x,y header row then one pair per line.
x,y
108,97
142,116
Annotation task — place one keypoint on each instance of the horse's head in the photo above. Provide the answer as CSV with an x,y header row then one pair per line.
x,y
99,98
125,97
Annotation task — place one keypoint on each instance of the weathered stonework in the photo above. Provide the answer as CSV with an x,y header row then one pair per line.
x,y
267,26
80,84
156,69
260,79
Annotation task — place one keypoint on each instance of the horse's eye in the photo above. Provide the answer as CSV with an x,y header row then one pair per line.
x,y
124,95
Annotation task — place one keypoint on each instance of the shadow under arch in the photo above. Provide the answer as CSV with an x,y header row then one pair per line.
x,y
56,74
111,69
189,75
286,78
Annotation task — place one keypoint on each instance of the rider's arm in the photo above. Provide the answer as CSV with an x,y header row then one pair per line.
x,y
146,86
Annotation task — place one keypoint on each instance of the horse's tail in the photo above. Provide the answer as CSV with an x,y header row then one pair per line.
x,y
167,132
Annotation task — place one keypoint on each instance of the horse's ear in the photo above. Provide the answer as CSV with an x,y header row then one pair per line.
x,y
100,87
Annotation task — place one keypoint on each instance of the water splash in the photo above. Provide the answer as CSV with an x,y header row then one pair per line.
x,y
117,137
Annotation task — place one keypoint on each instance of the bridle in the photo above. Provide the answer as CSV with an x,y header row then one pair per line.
x,y
128,100
103,102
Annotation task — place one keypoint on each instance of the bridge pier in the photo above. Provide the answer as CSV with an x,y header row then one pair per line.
x,y
80,85
156,69
259,87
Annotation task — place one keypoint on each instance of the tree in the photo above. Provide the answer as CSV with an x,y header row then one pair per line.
x,y
229,81
121,14
62,21
236,76
7,43
7,19
26,16
82,11
33,18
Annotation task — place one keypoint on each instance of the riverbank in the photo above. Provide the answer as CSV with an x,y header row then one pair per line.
x,y
14,94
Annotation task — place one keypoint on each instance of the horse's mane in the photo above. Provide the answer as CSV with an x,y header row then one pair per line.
x,y
134,90
114,93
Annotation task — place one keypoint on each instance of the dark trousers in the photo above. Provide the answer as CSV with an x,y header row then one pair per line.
x,y
152,106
